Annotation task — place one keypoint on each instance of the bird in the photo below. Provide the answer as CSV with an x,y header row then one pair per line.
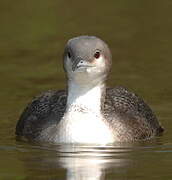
x,y
88,111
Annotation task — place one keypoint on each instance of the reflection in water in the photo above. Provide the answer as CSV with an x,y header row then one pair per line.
x,y
80,162
88,163
84,168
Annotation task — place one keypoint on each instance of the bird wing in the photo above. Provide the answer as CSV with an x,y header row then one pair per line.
x,y
37,115
123,108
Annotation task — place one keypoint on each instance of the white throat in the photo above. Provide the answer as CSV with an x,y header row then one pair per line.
x,y
87,98
83,121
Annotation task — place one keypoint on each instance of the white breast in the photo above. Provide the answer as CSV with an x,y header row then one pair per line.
x,y
83,127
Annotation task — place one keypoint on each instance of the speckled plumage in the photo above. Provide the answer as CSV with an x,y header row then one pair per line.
x,y
88,112
136,121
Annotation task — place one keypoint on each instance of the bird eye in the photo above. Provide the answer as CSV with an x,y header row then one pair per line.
x,y
69,55
97,54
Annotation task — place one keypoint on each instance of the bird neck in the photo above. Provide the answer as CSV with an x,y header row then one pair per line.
x,y
87,97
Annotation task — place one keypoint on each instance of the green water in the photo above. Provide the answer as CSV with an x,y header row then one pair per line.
x,y
32,38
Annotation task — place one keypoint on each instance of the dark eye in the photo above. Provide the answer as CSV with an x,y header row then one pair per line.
x,y
69,54
97,54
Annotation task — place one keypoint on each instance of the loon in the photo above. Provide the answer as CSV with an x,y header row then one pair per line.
x,y
88,111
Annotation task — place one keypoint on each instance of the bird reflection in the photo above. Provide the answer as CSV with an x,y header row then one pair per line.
x,y
79,162
89,163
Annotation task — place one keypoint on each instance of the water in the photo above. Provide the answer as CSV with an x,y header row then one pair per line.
x,y
33,34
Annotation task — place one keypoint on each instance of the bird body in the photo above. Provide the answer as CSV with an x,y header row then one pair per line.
x,y
88,111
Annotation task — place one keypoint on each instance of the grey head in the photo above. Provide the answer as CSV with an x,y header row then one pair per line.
x,y
87,59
